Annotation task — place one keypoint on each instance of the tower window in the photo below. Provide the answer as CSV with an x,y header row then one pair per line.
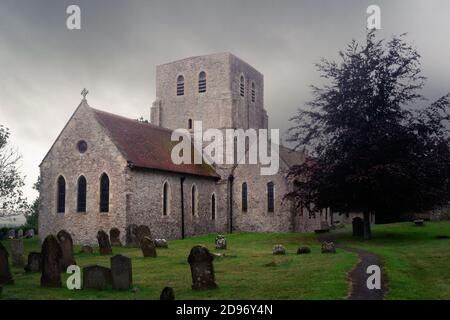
x,y
270,197
253,92
213,207
202,82
244,197
242,86
82,146
166,199
104,193
180,86
194,206
81,195
190,124
61,195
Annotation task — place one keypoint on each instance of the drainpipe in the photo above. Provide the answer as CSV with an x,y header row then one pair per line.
x,y
230,183
182,207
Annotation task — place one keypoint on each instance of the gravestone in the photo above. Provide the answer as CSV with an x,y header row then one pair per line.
x,y
419,222
104,245
161,243
114,236
303,250
202,270
19,234
97,277
5,272
121,272
17,253
167,294
279,249
34,262
87,249
66,243
221,242
131,236
29,233
358,227
142,232
328,247
148,247
51,254
11,234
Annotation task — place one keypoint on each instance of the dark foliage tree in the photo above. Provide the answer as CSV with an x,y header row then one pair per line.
x,y
370,151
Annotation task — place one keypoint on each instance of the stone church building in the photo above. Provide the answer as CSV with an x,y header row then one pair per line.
x,y
106,171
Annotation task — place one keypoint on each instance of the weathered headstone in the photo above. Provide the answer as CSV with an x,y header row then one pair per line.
x,y
121,272
51,255
303,250
358,227
328,247
29,233
131,236
19,233
202,270
97,277
104,245
34,262
11,234
167,294
5,272
87,249
221,242
17,253
66,243
148,247
142,232
114,236
161,243
279,249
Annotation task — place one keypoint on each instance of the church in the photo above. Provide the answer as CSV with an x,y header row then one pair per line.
x,y
106,171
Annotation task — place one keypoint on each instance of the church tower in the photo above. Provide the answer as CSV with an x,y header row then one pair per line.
x,y
219,89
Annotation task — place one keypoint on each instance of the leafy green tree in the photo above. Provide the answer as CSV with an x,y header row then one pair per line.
x,y
371,152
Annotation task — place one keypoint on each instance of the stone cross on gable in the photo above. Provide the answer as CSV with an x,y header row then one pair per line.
x,y
84,93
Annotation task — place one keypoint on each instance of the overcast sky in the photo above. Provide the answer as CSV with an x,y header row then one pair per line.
x,y
44,66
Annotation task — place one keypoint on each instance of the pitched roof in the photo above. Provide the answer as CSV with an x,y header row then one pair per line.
x,y
292,157
147,146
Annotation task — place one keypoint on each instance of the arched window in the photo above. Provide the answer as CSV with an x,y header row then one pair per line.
x,y
180,86
190,124
104,193
202,82
244,197
213,206
270,197
81,195
242,86
61,195
194,205
253,92
166,199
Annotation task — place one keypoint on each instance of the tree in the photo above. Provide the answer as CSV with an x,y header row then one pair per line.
x,y
11,182
32,215
371,152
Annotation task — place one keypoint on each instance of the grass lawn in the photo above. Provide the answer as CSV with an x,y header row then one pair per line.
x,y
242,274
417,264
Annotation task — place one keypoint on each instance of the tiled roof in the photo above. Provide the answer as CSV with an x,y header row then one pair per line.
x,y
147,146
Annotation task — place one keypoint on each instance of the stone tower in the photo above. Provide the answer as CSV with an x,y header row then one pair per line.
x,y
219,89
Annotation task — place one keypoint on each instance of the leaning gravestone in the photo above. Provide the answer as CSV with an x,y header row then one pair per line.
x,y
303,250
34,262
221,242
11,234
96,277
131,236
167,294
17,252
19,234
328,247
142,232
279,249
29,233
66,243
148,247
202,270
121,272
114,236
103,243
5,272
51,254
358,227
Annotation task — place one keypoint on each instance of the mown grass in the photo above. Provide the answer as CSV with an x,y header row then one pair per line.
x,y
416,262
242,274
